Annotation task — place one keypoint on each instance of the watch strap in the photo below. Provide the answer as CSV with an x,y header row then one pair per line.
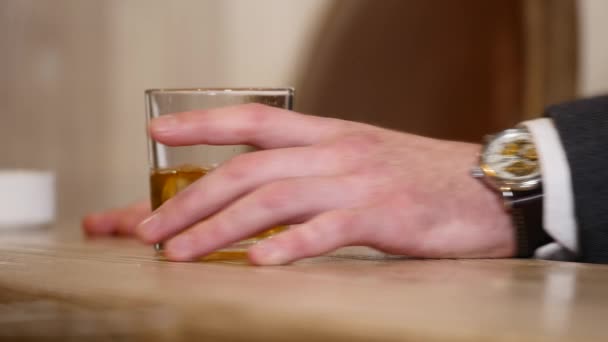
x,y
527,214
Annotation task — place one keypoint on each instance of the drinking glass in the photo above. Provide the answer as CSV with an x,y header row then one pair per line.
x,y
174,168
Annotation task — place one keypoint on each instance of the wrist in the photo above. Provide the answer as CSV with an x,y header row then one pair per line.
x,y
508,165
494,216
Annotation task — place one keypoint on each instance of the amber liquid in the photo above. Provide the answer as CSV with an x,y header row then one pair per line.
x,y
166,183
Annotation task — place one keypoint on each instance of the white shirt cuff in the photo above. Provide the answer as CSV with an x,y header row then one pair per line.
x,y
559,219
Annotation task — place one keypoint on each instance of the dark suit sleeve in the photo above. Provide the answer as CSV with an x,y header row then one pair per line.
x,y
583,129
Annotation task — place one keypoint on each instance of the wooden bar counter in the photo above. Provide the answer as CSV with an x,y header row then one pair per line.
x,y
57,285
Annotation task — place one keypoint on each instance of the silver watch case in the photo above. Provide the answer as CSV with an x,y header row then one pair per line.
x,y
490,177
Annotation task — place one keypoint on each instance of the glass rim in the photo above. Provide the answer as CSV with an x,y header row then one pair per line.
x,y
222,90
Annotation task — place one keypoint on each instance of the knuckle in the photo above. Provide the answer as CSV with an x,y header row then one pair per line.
x,y
348,227
337,221
340,221
304,241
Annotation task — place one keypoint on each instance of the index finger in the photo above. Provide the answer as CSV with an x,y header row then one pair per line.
x,y
250,124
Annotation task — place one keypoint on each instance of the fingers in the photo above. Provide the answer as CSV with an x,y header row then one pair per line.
x,y
288,201
230,181
121,221
252,124
131,217
320,235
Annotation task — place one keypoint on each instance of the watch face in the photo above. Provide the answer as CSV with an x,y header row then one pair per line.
x,y
511,159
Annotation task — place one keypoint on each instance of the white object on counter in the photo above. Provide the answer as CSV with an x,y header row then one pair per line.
x,y
27,198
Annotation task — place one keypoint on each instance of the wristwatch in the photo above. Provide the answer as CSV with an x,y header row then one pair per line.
x,y
509,165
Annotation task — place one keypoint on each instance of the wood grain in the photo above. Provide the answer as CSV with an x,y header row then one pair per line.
x,y
58,285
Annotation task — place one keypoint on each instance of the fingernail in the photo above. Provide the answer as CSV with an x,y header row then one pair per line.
x,y
164,123
147,226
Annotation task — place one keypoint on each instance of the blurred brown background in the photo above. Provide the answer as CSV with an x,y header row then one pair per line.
x,y
73,72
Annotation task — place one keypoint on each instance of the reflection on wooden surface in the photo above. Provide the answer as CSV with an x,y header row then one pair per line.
x,y
64,286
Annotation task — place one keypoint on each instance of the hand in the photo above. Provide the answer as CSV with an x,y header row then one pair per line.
x,y
337,183
119,221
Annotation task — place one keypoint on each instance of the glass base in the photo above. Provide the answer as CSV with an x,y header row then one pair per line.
x,y
236,252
